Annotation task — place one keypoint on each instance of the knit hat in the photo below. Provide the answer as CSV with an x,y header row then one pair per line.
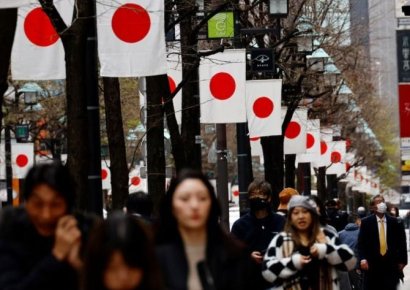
x,y
285,195
302,201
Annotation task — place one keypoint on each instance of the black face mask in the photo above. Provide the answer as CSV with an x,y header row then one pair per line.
x,y
256,204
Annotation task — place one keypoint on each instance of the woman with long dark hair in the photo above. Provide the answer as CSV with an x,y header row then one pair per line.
x,y
305,255
194,251
120,255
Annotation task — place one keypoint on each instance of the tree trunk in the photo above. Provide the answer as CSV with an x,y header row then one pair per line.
x,y
290,170
156,88
8,21
321,183
272,147
116,143
190,129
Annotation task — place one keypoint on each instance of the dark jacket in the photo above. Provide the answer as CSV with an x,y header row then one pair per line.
x,y
257,234
226,265
383,270
26,261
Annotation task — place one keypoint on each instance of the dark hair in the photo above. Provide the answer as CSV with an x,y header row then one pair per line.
x,y
123,233
323,216
262,186
139,202
353,217
168,224
53,174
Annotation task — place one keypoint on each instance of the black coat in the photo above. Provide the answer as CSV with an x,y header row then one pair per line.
x,y
26,261
383,271
226,264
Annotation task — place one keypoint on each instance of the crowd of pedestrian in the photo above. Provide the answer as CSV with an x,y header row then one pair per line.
x,y
304,244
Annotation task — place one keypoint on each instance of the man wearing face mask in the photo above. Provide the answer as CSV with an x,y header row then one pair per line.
x,y
382,248
258,227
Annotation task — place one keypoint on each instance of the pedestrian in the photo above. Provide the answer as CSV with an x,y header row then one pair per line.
x,y
323,217
140,204
193,250
284,197
304,255
120,255
382,247
361,211
258,227
338,218
40,241
349,236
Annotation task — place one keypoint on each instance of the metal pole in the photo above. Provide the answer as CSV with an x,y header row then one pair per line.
x,y
222,177
245,174
9,170
95,195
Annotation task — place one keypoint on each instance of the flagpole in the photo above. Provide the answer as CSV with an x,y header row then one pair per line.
x,y
94,194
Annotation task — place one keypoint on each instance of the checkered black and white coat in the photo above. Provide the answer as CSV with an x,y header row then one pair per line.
x,y
281,263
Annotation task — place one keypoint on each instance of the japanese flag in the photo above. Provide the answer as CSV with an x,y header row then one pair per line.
x,y
256,147
263,107
337,155
222,79
136,183
131,38
312,142
38,52
105,174
295,133
22,158
14,3
326,136
174,62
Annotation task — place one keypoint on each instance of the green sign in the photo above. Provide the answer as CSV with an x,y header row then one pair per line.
x,y
221,25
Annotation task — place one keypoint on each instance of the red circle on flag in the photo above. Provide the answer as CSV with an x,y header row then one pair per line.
x,y
131,22
254,139
222,86
172,85
104,173
135,180
263,107
335,157
323,147
293,130
39,29
235,193
21,160
310,140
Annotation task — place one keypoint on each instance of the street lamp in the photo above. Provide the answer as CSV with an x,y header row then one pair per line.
x,y
30,98
278,8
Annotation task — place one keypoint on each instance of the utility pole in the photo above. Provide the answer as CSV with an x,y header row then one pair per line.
x,y
222,178
9,170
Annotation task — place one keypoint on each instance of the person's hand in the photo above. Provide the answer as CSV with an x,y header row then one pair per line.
x,y
321,238
304,260
66,237
401,267
73,257
257,257
364,265
314,252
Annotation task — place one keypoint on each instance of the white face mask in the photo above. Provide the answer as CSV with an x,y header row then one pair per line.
x,y
381,207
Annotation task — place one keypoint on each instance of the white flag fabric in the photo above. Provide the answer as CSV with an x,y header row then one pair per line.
x,y
22,158
263,107
14,3
312,142
131,38
105,174
135,182
337,155
256,147
222,79
326,136
38,52
174,62
295,133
